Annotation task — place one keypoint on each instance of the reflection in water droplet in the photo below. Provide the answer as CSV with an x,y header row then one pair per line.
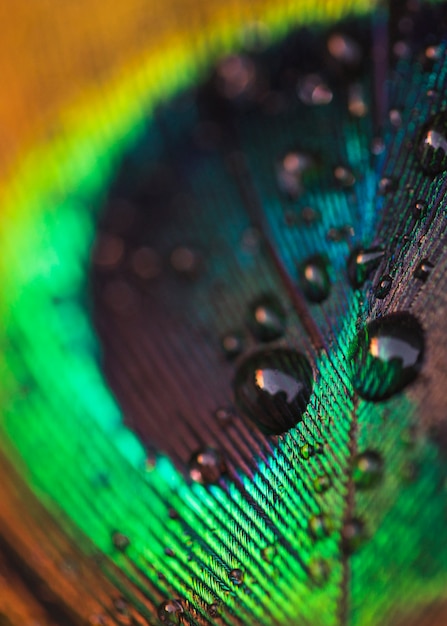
x,y
207,466
272,388
233,344
120,541
387,356
314,279
267,318
361,263
432,145
423,270
368,469
236,576
312,90
290,172
383,287
353,535
169,612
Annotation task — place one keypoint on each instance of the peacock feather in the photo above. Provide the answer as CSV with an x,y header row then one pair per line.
x,y
224,271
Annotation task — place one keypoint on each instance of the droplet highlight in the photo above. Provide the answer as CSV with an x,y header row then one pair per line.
x,y
272,388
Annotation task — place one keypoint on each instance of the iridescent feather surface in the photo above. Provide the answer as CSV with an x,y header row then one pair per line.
x,y
224,354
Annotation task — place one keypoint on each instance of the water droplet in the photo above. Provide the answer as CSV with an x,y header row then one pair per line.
x,y
420,209
224,416
322,483
213,609
368,469
108,251
120,541
356,100
233,344
433,53
207,466
319,526
268,553
173,514
314,279
312,90
361,263
169,552
344,49
185,261
383,287
387,356
306,451
236,77
344,176
395,117
432,145
290,172
236,576
387,185
423,270
319,571
267,318
353,535
272,388
310,215
340,233
146,263
169,612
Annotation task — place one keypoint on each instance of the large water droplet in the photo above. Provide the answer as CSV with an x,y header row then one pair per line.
x,y
207,466
267,318
272,388
314,278
387,356
169,612
361,263
432,145
368,469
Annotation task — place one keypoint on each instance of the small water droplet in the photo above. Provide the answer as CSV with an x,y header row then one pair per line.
x,y
433,53
361,263
173,514
383,287
353,535
314,278
267,318
108,251
322,483
340,233
272,388
146,263
169,612
395,117
344,176
207,466
224,416
432,145
312,90
185,261
319,571
236,77
420,209
290,172
423,270
387,356
169,552
368,469
236,576
356,100
319,526
213,609
310,215
306,451
120,541
387,185
233,344
268,553
344,49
